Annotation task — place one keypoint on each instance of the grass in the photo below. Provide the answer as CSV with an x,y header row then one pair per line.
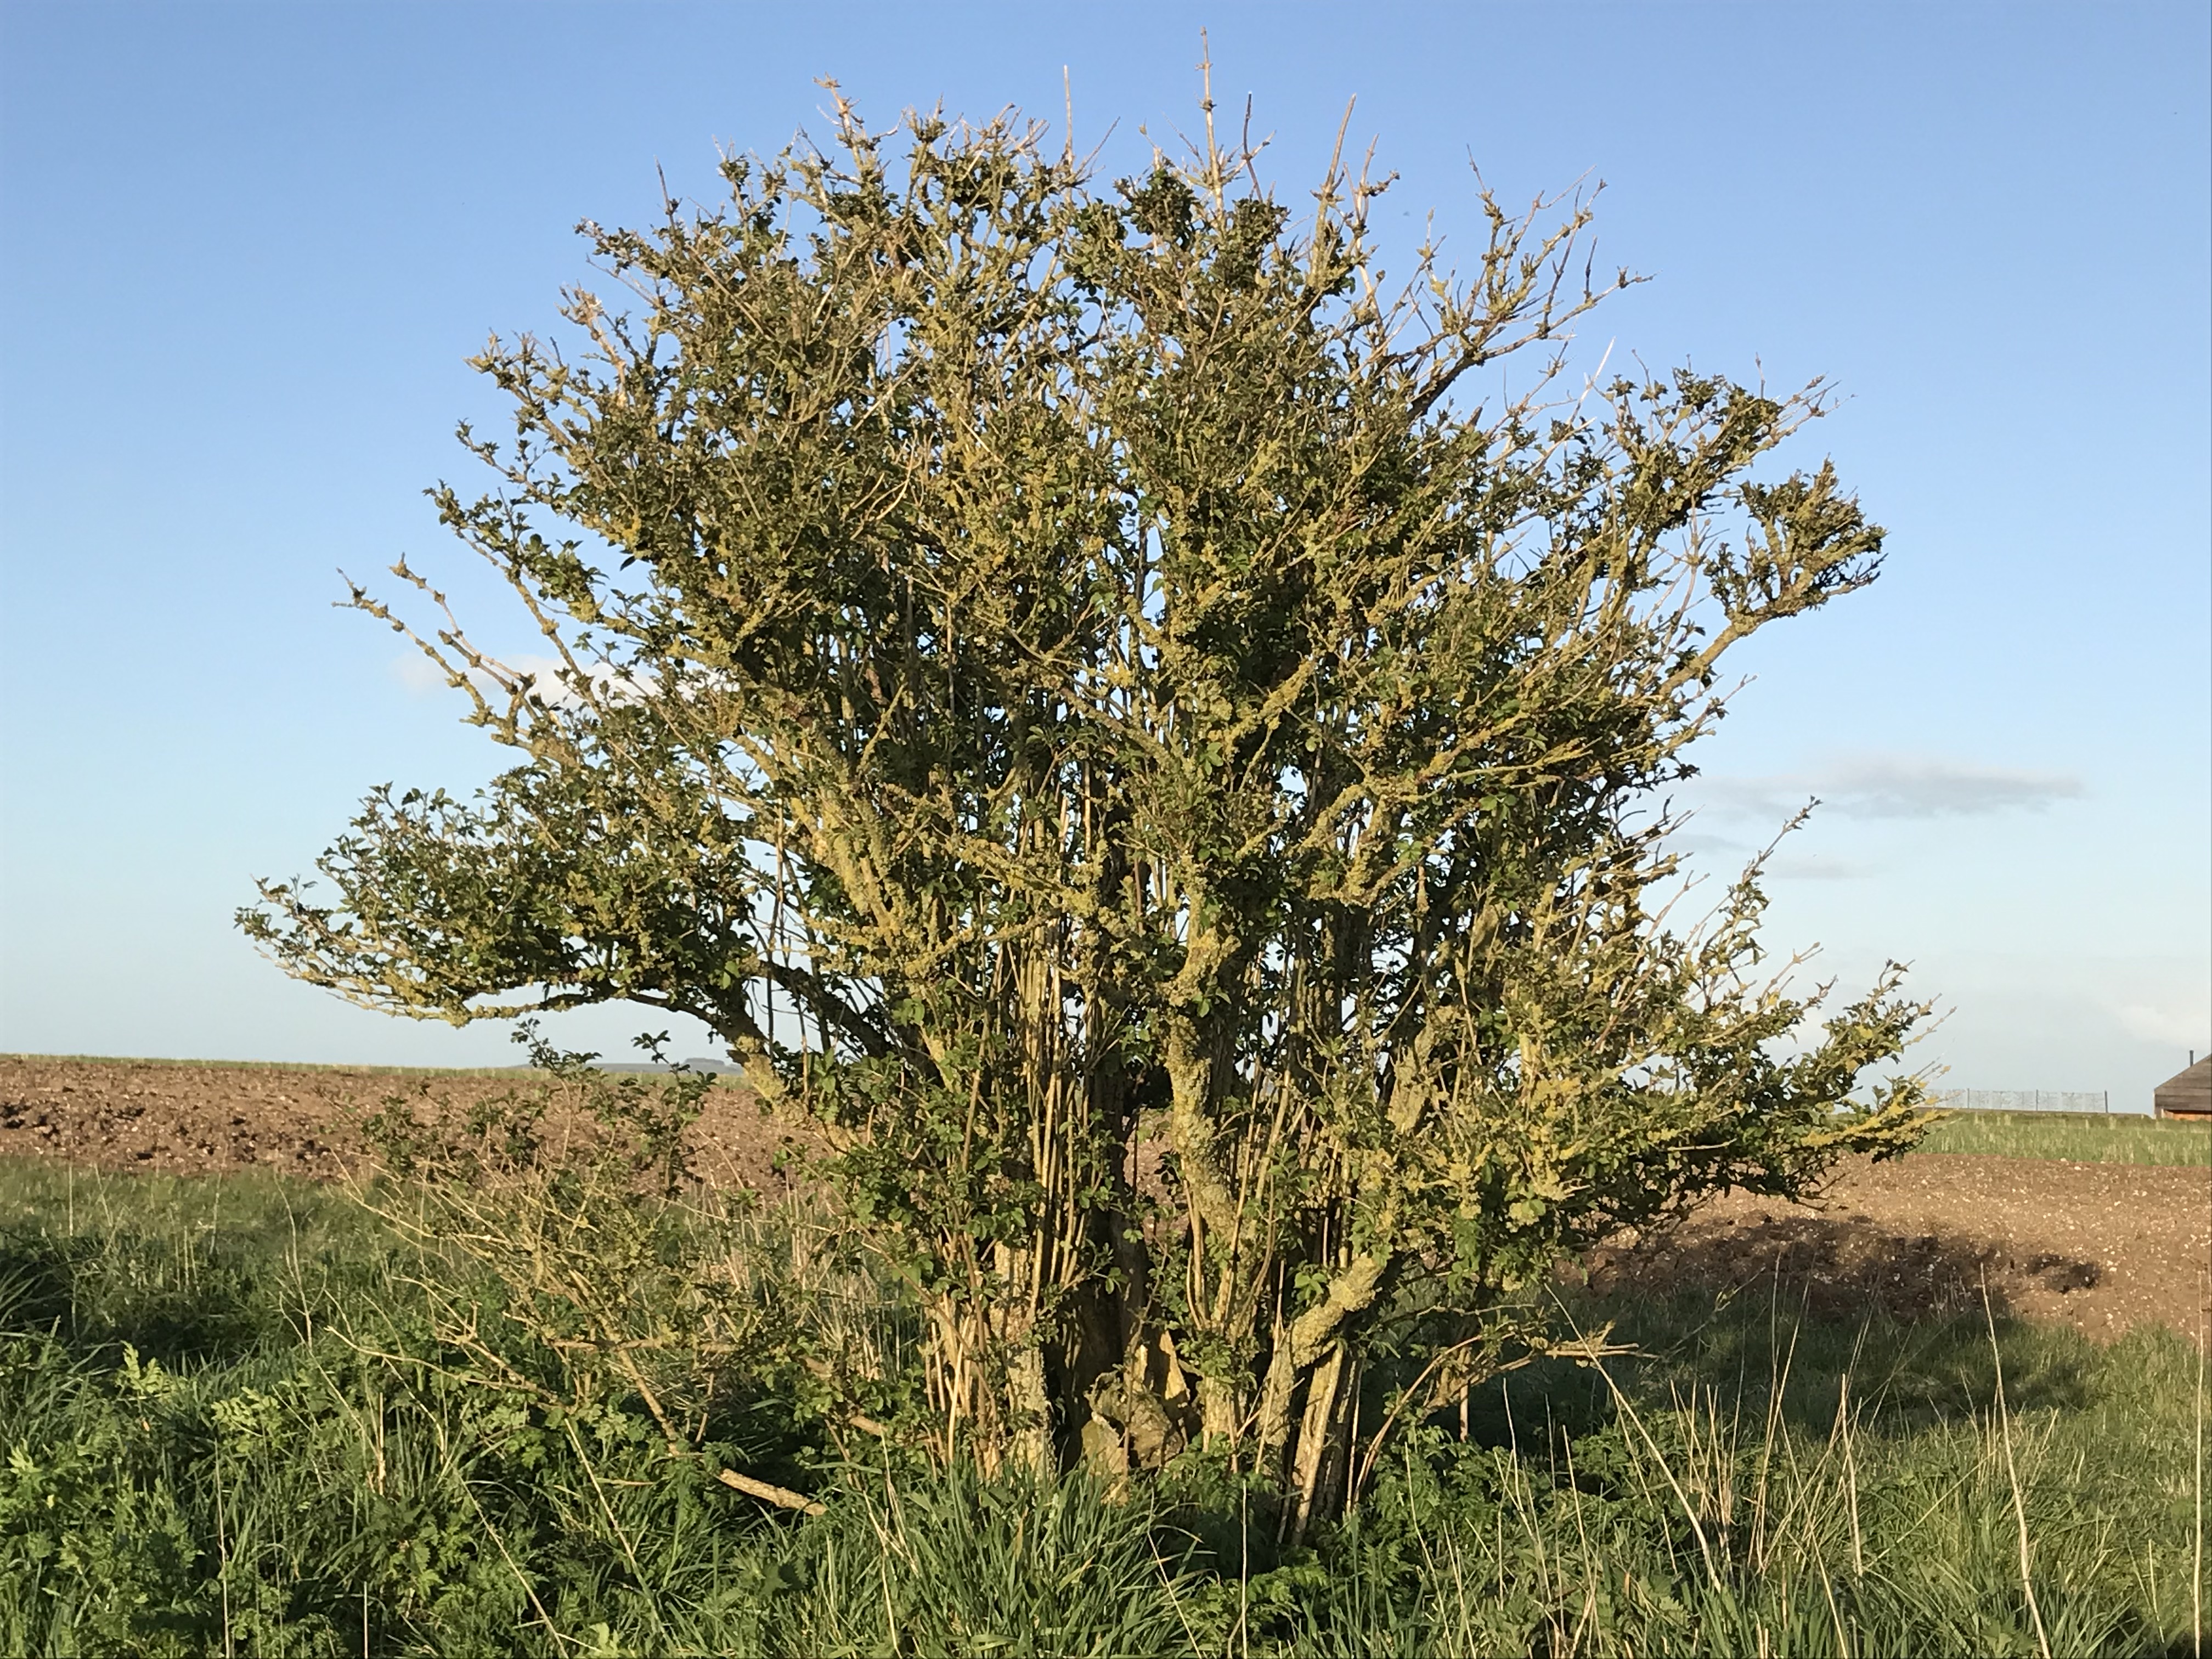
x,y
227,1427
2081,1138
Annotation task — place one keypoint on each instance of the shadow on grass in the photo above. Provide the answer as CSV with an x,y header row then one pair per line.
x,y
1778,1313
1836,1267
100,1293
184,1270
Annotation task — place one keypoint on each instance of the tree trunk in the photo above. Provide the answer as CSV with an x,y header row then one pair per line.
x,y
1313,1465
1219,1416
1029,1412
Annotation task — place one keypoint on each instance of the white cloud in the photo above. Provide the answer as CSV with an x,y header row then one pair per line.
x,y
2179,1022
420,675
1891,787
1817,866
1691,841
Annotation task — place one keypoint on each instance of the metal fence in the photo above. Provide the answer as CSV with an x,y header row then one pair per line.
x,y
2024,1100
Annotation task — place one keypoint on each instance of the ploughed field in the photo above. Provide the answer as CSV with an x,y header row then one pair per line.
x,y
187,1117
2103,1225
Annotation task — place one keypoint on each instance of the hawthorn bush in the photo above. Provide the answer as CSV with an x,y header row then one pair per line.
x,y
1116,720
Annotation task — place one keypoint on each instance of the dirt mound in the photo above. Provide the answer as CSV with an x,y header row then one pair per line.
x,y
2098,1246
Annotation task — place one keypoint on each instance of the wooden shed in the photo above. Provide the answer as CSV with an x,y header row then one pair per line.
x,y
2185,1094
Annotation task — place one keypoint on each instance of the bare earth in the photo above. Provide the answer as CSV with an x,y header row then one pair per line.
x,y
299,1120
2102,1247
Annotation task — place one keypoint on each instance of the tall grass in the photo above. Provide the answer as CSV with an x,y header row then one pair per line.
x,y
2080,1137
227,1426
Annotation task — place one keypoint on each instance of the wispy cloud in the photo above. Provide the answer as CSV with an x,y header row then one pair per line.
x,y
1691,841
1722,853
1891,787
1816,866
2173,1020
419,674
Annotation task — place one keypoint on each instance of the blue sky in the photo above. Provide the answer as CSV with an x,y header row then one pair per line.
x,y
245,248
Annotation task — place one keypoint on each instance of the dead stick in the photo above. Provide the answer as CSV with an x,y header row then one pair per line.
x,y
783,1497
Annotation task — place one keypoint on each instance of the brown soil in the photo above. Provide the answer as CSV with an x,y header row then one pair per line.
x,y
302,1121
2101,1247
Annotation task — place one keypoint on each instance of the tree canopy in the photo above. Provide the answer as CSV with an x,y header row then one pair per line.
x,y
1115,717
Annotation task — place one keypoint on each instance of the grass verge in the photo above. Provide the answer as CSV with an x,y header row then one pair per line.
x,y
227,1426
2080,1137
